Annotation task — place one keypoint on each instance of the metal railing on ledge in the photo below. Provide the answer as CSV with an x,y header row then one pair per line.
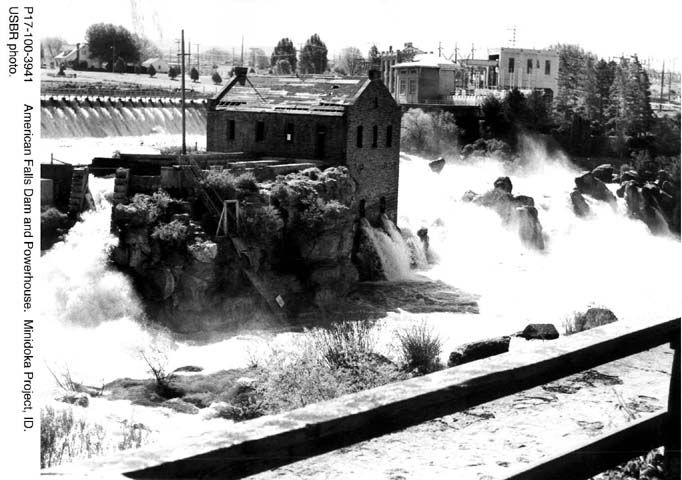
x,y
268,442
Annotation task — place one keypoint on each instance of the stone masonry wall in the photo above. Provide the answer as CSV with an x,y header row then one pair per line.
x,y
375,168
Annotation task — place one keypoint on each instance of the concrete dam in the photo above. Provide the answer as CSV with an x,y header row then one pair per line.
x,y
77,117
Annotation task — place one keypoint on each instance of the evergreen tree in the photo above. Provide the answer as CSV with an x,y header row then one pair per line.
x,y
173,72
629,100
151,71
217,79
283,67
572,79
604,73
313,56
194,74
284,50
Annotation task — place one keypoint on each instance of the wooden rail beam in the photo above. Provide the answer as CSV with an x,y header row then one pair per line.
x,y
272,441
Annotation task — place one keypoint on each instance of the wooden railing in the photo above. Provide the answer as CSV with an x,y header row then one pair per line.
x,y
272,441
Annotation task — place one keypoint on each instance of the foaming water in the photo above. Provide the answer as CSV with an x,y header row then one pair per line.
x,y
607,259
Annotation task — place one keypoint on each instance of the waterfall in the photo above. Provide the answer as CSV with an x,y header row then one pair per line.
x,y
108,118
390,247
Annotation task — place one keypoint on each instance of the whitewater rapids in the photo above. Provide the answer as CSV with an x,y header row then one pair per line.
x,y
93,325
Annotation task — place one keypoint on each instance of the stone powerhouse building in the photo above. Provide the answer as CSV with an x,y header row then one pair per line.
x,y
328,120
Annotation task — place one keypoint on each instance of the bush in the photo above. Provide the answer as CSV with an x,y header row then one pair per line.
x,y
345,343
52,219
222,181
194,74
247,182
217,79
151,70
420,348
173,72
173,232
261,225
319,214
430,133
64,437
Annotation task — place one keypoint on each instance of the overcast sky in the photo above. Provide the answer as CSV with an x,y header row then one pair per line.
x,y
608,28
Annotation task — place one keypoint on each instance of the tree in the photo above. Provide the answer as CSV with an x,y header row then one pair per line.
x,y
283,67
572,78
107,41
194,74
629,100
217,79
120,65
173,72
284,50
259,59
50,47
146,47
313,56
374,57
351,61
151,70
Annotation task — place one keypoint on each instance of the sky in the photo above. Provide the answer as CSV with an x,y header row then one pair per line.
x,y
607,28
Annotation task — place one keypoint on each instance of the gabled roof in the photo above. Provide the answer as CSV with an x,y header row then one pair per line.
x,y
149,61
316,94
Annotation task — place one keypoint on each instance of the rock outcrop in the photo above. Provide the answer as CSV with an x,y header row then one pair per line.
x,y
470,352
588,184
539,331
518,212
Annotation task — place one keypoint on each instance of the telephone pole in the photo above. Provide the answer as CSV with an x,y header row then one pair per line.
x,y
660,105
182,86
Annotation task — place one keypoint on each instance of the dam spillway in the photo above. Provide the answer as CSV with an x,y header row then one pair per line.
x,y
77,117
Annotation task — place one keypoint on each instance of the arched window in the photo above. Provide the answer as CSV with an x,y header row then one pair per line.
x,y
375,136
389,136
358,137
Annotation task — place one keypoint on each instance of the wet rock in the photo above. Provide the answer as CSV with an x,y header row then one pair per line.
x,y
592,317
523,201
603,172
181,406
539,331
76,398
587,184
632,175
470,352
504,184
437,165
530,229
159,283
580,205
469,196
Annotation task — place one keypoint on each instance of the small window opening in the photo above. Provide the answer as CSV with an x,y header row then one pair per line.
x,y
289,133
230,129
389,136
260,131
382,205
375,136
358,137
361,208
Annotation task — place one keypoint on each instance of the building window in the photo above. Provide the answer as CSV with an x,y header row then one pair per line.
x,y
413,86
537,64
402,86
382,205
547,67
260,131
376,102
358,137
289,133
413,71
389,136
529,66
375,136
511,65
230,129
361,208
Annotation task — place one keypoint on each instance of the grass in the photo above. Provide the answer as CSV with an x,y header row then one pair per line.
x,y
591,318
421,348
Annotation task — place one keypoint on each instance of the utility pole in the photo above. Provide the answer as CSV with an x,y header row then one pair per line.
x,y
113,56
182,78
241,61
660,105
670,81
456,52
189,53
78,56
439,48
472,51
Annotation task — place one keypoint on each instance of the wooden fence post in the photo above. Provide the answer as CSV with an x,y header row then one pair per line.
x,y
672,434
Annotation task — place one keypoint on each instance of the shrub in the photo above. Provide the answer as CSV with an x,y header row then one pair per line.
x,y
151,70
261,225
591,318
217,79
64,436
194,74
345,343
320,213
222,181
53,219
173,232
247,182
420,348
173,72
430,133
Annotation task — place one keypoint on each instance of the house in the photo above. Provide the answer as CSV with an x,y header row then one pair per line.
x,y
160,65
330,120
77,56
525,69
392,57
426,79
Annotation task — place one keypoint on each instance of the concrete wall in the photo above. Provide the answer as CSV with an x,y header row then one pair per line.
x,y
375,169
274,143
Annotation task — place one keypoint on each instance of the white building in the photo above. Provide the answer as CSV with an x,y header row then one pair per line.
x,y
160,65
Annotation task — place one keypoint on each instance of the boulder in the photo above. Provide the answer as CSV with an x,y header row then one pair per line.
x,y
587,184
179,405
580,206
603,172
159,283
539,331
530,229
630,175
437,165
80,399
523,201
592,317
504,184
470,352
